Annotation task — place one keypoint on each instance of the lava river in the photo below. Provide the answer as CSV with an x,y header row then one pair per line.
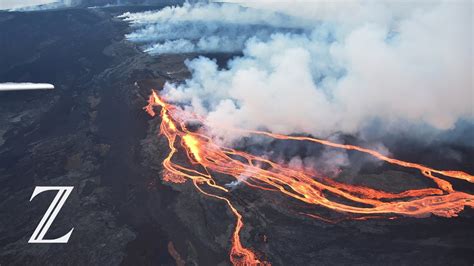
x,y
207,159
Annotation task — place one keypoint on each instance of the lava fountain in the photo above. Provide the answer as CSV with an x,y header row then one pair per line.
x,y
207,159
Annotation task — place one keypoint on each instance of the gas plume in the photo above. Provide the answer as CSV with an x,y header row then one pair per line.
x,y
327,70
207,162
319,67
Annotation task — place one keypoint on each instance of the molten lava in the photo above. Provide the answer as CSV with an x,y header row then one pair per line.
x,y
206,157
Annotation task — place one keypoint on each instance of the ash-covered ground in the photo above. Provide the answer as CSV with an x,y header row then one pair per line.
x,y
91,133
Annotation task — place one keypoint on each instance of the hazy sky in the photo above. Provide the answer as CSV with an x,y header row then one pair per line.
x,y
9,4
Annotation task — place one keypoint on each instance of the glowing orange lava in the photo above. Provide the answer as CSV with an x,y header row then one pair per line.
x,y
206,157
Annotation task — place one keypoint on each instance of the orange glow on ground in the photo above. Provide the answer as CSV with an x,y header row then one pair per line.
x,y
206,157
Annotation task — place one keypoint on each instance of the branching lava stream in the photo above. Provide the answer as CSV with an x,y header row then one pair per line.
x,y
206,157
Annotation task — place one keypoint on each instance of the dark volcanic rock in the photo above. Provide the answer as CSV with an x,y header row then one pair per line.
x,y
59,138
91,133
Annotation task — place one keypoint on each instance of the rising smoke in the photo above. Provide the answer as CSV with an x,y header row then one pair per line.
x,y
206,28
320,67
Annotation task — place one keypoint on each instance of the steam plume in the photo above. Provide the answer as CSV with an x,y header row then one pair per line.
x,y
205,27
320,67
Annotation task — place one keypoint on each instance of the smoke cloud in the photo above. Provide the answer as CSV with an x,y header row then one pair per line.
x,y
206,27
320,67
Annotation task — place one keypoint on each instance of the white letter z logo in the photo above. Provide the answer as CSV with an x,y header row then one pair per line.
x,y
50,215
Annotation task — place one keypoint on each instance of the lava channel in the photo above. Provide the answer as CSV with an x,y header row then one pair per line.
x,y
205,157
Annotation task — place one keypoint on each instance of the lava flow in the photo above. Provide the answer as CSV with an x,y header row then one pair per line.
x,y
208,159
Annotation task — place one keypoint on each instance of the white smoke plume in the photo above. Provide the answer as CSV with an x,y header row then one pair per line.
x,y
239,180
206,27
320,67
